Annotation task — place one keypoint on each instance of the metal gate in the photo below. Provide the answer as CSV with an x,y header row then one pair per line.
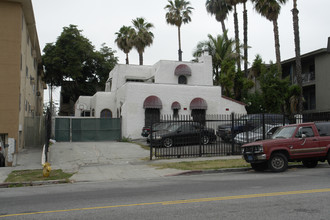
x,y
87,129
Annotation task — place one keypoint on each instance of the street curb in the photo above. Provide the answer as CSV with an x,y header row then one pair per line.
x,y
34,183
196,172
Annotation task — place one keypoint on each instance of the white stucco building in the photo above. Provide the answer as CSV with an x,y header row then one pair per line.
x,y
138,93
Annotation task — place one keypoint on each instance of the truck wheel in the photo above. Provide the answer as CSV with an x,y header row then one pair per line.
x,y
310,163
278,162
259,166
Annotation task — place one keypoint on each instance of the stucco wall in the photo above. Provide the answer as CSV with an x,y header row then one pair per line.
x,y
322,78
133,111
10,42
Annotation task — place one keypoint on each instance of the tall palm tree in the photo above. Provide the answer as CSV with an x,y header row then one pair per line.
x,y
178,13
143,36
245,40
220,48
271,9
124,40
220,9
295,13
234,4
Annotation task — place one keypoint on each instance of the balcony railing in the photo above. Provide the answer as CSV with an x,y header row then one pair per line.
x,y
306,77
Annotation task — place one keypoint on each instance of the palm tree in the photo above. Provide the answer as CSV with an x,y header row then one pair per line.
x,y
234,4
124,40
143,36
178,13
295,13
245,33
220,9
271,9
220,48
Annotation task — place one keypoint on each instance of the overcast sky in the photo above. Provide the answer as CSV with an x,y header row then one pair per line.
x,y
100,19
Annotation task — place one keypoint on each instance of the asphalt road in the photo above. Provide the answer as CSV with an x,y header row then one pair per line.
x,y
299,193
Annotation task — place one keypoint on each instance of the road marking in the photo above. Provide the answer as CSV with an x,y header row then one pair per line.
x,y
179,201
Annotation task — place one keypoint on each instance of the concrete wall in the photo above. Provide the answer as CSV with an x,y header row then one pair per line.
x,y
322,78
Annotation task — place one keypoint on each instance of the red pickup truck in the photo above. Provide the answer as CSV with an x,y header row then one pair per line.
x,y
306,142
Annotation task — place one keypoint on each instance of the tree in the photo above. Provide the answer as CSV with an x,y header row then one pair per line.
x,y
105,62
124,40
220,9
143,36
271,9
295,13
245,33
178,13
72,61
237,42
274,89
223,59
221,49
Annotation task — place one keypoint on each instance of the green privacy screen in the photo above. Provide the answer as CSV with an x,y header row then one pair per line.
x,y
90,129
62,129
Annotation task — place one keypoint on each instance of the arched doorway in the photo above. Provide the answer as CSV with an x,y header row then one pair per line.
x,y
198,107
152,106
106,113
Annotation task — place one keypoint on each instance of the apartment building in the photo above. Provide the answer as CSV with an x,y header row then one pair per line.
x,y
21,85
316,78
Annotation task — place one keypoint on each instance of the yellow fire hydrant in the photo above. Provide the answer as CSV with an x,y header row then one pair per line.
x,y
46,170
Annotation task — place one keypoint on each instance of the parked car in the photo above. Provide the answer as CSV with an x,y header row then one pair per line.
x,y
247,123
256,134
306,142
183,134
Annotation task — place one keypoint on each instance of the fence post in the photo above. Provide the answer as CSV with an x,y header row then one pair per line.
x,y
263,127
232,133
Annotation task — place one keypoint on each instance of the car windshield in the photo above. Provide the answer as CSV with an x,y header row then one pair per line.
x,y
284,132
173,127
161,126
260,128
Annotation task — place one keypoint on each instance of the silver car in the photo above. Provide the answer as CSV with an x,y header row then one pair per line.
x,y
256,134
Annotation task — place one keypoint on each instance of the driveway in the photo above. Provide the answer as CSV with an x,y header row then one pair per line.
x,y
100,161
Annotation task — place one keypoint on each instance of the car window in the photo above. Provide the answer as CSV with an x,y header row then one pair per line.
x,y
308,131
284,132
272,130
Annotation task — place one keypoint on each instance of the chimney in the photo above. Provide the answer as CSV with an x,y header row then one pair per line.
x,y
328,45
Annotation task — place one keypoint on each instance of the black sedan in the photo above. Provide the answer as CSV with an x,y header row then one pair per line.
x,y
183,134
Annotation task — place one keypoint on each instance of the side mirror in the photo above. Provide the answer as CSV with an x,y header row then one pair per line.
x,y
303,136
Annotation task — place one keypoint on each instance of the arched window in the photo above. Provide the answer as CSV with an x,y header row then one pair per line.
x,y
182,79
106,113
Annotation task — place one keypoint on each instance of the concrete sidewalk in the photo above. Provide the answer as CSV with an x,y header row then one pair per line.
x,y
98,161
26,159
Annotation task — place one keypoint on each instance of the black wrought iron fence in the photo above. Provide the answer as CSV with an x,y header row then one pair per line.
x,y
215,135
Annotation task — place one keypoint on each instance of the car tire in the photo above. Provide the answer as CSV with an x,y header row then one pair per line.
x,y
310,163
168,142
2,161
278,162
259,166
205,139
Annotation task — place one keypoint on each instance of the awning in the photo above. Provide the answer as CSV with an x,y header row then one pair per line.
x,y
152,102
198,103
176,105
182,69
